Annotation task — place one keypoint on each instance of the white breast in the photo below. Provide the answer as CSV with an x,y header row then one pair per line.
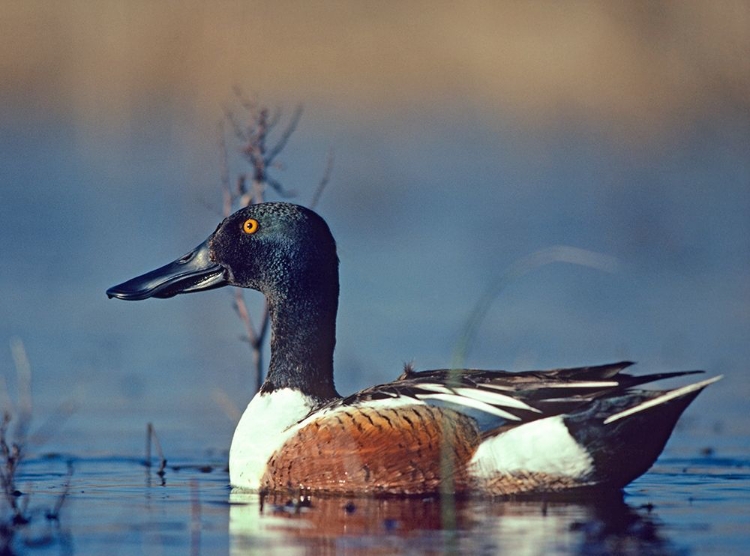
x,y
265,425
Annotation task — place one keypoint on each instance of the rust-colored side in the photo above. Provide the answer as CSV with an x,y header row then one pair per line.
x,y
406,450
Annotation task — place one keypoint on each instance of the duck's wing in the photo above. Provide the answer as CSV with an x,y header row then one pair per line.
x,y
498,398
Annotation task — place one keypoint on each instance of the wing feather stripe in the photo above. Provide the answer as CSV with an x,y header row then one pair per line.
x,y
469,402
439,388
494,398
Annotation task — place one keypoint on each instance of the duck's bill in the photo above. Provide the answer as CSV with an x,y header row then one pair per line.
x,y
192,273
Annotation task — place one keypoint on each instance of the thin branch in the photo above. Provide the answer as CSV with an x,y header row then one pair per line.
x,y
280,189
323,181
241,309
195,518
5,400
260,145
12,454
23,372
236,127
244,197
258,350
248,104
273,153
251,154
274,119
257,194
226,191
151,436
265,319
54,513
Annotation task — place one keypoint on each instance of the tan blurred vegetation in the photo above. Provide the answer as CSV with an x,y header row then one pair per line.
x,y
627,67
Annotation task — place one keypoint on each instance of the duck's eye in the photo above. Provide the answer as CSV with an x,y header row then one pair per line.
x,y
250,226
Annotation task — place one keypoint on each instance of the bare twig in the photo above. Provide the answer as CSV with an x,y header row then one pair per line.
x,y
274,152
259,188
236,127
54,513
248,104
274,119
12,453
241,308
11,457
280,189
323,181
258,347
149,430
23,372
226,192
151,436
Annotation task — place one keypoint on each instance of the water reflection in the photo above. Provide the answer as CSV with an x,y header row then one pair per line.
x,y
701,505
476,526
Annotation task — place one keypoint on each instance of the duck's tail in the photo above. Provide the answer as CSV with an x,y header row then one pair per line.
x,y
625,434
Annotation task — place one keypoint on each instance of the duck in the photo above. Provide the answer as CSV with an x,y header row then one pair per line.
x,y
457,431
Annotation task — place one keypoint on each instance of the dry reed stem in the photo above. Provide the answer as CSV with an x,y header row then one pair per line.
x,y
12,452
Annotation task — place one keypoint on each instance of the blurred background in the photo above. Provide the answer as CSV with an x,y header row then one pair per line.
x,y
467,136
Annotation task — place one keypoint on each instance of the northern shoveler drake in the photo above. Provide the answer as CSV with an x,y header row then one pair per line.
x,y
452,430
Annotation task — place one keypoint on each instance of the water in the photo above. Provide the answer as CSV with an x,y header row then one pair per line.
x,y
692,501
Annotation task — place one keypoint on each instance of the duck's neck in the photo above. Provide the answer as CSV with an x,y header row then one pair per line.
x,y
303,336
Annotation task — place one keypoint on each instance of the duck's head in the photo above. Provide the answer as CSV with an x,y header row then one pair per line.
x,y
276,248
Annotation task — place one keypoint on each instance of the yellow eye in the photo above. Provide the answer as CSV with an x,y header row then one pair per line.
x,y
250,226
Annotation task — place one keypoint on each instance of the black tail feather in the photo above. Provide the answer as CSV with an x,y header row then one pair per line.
x,y
625,435
630,381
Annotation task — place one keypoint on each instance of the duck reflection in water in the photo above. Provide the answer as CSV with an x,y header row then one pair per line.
x,y
601,524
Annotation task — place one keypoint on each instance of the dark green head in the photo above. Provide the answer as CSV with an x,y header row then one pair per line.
x,y
276,248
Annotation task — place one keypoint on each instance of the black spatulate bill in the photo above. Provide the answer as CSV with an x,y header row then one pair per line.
x,y
190,273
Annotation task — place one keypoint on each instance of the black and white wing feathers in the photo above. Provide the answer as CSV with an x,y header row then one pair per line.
x,y
498,398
